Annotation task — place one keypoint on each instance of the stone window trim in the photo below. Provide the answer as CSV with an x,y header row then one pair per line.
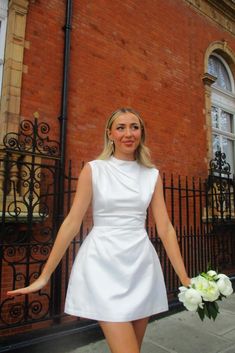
x,y
229,72
10,99
3,28
222,49
13,68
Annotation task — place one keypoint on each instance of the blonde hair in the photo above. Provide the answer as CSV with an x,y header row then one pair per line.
x,y
142,153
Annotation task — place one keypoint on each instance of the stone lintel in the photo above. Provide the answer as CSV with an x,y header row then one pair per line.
x,y
222,12
21,6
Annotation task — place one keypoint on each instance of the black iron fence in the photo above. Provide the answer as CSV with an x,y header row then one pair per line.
x,y
202,212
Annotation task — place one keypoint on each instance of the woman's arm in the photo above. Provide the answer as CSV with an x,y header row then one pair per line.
x,y
167,233
68,230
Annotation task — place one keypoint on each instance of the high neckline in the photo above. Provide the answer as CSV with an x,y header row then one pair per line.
x,y
121,161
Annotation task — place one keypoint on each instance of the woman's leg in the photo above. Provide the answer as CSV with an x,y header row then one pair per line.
x,y
140,328
120,336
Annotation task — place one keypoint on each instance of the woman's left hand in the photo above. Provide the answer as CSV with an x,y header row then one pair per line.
x,y
186,281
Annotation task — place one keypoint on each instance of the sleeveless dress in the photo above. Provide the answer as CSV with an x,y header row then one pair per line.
x,y
116,275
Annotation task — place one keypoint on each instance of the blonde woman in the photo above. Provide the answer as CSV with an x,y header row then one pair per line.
x,y
116,278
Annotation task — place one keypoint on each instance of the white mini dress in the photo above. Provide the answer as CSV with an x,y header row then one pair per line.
x,y
116,275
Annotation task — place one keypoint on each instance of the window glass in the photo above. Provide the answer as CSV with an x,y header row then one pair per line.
x,y
228,148
223,138
218,69
226,121
216,143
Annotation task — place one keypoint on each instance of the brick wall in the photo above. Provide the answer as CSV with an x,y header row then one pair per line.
x,y
148,55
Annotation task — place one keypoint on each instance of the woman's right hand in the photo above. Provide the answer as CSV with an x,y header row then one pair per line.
x,y
34,287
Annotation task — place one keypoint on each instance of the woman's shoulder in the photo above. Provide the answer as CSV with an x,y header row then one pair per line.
x,y
151,174
150,170
98,161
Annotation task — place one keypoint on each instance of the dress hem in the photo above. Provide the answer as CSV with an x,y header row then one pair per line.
x,y
98,317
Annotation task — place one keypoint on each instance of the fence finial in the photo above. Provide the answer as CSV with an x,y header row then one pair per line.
x,y
219,164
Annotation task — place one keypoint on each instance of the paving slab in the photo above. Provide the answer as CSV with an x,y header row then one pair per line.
x,y
224,322
230,335
97,347
184,332
228,305
229,350
184,338
153,347
102,347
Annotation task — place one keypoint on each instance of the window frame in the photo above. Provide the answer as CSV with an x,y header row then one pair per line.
x,y
224,100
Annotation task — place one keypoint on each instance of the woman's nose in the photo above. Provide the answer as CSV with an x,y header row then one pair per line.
x,y
128,131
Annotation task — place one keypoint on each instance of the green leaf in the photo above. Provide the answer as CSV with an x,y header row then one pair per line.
x,y
206,276
213,310
201,313
207,312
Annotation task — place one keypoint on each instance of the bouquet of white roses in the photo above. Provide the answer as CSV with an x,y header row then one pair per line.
x,y
202,294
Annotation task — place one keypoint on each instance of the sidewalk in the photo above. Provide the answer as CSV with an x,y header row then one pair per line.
x,y
185,333
181,332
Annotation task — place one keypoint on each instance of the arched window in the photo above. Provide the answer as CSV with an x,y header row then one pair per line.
x,y
222,108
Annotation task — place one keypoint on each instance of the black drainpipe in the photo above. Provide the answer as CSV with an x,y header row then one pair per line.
x,y
57,288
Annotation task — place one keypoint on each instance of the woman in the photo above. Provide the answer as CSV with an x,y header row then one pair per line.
x,y
116,277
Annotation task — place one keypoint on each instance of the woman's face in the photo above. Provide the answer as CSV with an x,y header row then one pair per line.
x,y
125,132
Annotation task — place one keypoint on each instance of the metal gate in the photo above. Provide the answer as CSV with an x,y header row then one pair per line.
x,y
29,197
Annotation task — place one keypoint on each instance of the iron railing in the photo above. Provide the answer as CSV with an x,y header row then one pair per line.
x,y
202,212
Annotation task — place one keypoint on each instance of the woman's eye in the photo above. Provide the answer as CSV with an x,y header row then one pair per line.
x,y
133,127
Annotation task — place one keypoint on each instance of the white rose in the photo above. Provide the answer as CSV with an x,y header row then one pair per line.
x,y
220,275
224,285
190,298
211,293
211,273
200,284
208,289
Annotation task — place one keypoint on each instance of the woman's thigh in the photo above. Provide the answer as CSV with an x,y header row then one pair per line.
x,y
140,328
120,336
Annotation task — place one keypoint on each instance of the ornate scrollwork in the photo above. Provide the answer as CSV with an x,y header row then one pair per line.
x,y
28,218
220,189
219,164
32,138
15,312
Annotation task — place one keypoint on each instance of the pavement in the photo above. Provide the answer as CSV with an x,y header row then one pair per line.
x,y
184,332
179,332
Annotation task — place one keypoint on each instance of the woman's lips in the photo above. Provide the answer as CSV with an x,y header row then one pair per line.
x,y
128,143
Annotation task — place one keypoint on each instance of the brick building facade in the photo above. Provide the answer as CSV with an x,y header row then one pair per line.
x,y
159,57
148,55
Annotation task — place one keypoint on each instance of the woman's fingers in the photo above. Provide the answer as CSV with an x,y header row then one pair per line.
x,y
20,291
34,287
